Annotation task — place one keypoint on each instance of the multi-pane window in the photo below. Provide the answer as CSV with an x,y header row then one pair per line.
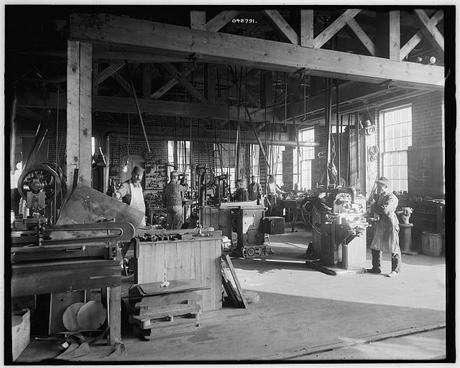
x,y
302,171
224,156
396,125
179,155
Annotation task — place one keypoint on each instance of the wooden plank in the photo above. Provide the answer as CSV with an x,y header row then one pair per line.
x,y
198,19
122,82
185,72
44,281
362,35
73,110
185,83
307,27
417,38
85,118
108,72
114,303
220,20
263,54
395,35
335,27
235,278
430,30
140,57
282,26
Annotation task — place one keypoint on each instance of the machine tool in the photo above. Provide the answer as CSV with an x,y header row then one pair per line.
x,y
339,224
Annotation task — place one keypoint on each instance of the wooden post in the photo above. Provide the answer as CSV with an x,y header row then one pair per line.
x,y
198,19
114,307
306,28
79,122
395,35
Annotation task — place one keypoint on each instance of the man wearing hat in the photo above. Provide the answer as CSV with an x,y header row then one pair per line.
x,y
386,237
173,195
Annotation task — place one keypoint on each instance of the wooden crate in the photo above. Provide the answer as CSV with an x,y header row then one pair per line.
x,y
195,259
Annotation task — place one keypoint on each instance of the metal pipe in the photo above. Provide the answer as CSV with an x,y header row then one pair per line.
x,y
337,133
140,116
357,151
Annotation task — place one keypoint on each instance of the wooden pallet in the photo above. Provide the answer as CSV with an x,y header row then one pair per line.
x,y
152,318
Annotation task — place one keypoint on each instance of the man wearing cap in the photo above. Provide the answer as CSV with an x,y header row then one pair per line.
x,y
386,237
131,193
255,190
172,198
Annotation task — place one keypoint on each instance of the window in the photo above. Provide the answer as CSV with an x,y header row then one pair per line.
x,y
254,162
224,156
304,159
396,128
277,163
179,155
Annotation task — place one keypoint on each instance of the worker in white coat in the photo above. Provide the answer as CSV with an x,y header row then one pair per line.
x,y
386,237
131,193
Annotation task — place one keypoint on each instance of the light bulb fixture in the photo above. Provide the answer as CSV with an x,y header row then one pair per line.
x,y
432,60
125,168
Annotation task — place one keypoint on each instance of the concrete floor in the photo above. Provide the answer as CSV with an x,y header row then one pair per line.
x,y
306,315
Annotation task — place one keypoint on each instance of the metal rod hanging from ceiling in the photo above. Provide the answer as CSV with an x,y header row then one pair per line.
x,y
337,131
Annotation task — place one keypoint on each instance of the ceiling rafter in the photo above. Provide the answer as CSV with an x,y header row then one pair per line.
x,y
109,71
335,27
185,72
417,38
282,25
221,19
184,82
430,30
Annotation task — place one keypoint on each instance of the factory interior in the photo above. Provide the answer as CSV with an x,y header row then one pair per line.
x,y
228,184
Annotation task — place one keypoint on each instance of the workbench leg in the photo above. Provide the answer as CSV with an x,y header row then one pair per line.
x,y
114,304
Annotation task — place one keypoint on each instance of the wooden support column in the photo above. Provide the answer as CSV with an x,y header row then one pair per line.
x,y
306,28
395,35
79,122
198,19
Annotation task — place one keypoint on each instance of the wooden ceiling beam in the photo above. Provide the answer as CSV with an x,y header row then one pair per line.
x,y
395,35
362,35
306,27
220,20
108,72
122,82
335,27
124,105
262,54
185,83
281,25
430,30
185,72
417,38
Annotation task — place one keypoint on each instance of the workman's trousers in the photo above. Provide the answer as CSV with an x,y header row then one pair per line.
x,y
175,217
377,261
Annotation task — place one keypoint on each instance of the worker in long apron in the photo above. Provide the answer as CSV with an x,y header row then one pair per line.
x,y
386,237
173,196
130,192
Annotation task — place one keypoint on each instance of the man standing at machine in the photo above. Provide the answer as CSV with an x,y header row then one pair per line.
x,y
172,198
273,193
386,237
255,190
131,193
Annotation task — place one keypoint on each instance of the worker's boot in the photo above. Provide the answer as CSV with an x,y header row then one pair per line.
x,y
376,262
